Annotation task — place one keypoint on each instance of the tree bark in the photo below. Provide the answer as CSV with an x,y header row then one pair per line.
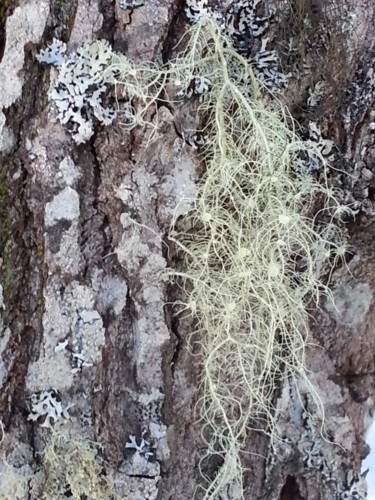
x,y
84,251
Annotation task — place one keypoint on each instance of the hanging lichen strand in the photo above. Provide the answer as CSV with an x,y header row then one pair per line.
x,y
251,257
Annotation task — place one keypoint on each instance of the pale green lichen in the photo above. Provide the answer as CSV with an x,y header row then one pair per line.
x,y
73,467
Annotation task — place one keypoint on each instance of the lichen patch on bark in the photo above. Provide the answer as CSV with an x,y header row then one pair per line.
x,y
25,25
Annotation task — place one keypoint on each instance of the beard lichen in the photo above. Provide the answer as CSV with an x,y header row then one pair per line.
x,y
252,251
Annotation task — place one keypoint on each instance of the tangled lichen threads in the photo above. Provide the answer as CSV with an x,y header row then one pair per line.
x,y
73,467
252,254
252,257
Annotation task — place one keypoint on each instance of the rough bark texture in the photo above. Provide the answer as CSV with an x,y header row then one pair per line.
x,y
83,257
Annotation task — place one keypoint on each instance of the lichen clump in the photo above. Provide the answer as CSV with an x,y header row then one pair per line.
x,y
252,253
72,467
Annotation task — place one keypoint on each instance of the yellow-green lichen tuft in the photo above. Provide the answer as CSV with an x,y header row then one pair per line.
x,y
252,250
73,467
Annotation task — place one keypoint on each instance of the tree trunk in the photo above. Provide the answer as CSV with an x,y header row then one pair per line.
x,y
87,315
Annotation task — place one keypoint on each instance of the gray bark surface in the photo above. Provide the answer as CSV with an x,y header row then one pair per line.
x,y
83,259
